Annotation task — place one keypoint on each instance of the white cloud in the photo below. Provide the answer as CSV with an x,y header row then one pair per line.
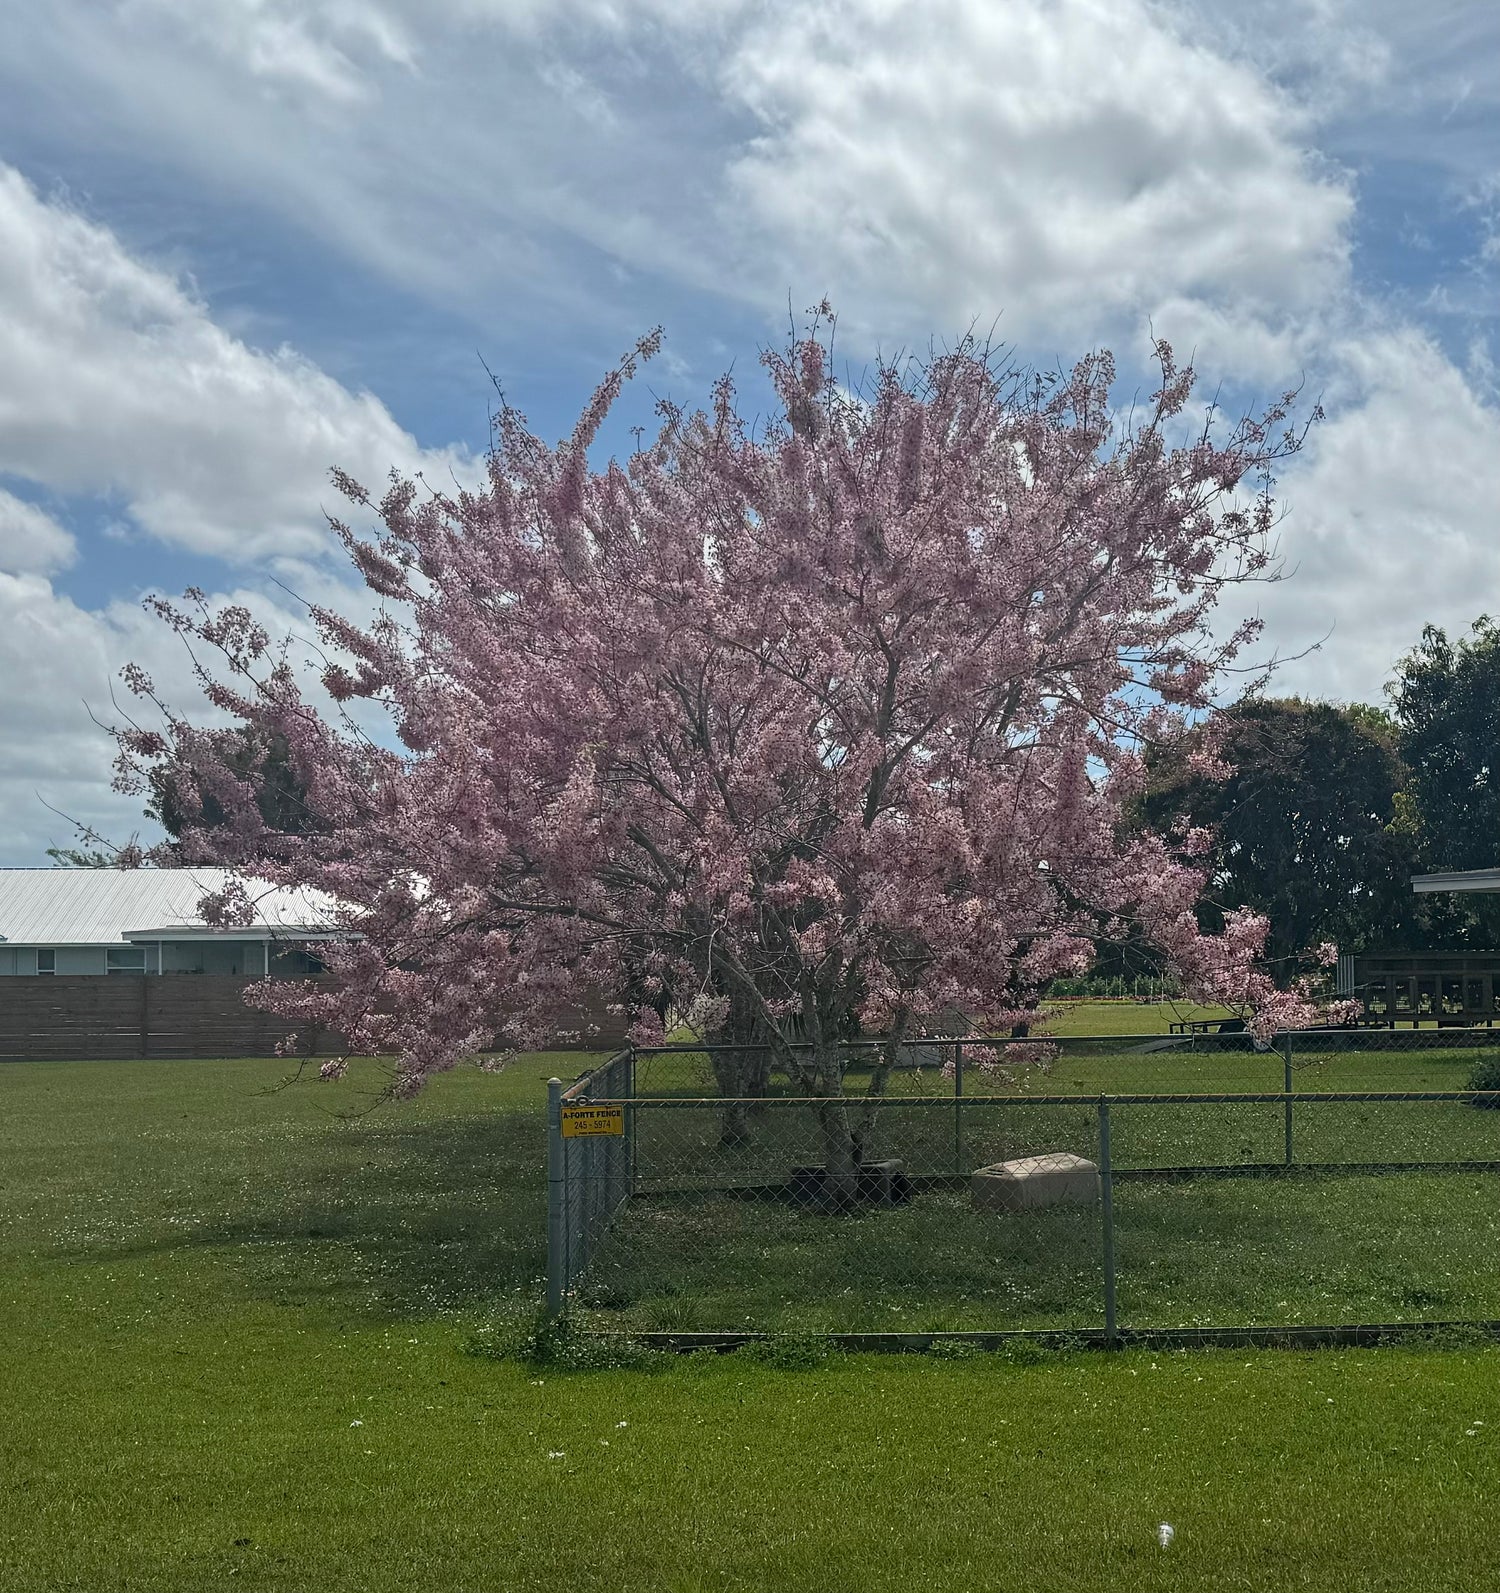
x,y
31,541
1333,57
1068,163
1072,164
56,658
1391,521
320,49
61,666
115,379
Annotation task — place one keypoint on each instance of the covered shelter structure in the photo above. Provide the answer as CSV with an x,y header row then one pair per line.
x,y
1458,988
1484,880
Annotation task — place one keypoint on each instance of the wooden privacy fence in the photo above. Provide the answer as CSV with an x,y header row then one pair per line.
x,y
119,1016
116,1016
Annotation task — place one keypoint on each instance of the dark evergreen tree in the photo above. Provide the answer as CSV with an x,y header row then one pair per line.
x,y
1309,828
179,801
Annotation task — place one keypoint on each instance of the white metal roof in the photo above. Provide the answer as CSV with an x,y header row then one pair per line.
x,y
98,906
1469,879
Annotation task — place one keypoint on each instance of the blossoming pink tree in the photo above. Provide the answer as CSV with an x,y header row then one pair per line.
x,y
836,717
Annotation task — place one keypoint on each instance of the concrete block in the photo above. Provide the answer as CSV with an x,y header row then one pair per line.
x,y
878,1184
1034,1181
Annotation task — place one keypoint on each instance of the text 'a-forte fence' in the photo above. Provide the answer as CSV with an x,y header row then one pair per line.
x,y
1338,1182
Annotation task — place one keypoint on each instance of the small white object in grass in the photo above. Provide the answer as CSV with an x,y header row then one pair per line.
x,y
356,1423
1165,1533
622,1424
556,1454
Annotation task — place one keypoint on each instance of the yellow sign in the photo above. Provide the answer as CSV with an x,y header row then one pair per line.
x,y
580,1120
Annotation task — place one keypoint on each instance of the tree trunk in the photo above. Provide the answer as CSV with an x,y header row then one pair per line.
x,y
841,1156
840,1133
848,1123
740,1074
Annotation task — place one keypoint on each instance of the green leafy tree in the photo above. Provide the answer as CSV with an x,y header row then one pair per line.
x,y
1446,697
184,797
1446,702
1308,827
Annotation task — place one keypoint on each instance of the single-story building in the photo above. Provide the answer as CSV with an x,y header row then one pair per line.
x,y
62,927
105,921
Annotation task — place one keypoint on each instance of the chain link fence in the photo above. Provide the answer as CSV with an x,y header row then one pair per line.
x,y
1184,1182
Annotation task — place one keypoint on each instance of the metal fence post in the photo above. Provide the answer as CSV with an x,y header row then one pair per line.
x,y
1107,1200
958,1109
1286,1059
557,1227
630,1123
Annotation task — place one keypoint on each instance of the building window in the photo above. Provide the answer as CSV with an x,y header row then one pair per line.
x,y
46,962
125,960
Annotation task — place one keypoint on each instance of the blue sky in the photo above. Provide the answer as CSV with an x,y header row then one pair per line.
x,y
244,240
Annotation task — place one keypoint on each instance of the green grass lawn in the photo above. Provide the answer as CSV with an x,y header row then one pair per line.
x,y
1149,1017
1124,1017
236,1334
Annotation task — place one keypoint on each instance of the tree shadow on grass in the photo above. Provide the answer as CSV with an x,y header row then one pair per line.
x,y
378,1217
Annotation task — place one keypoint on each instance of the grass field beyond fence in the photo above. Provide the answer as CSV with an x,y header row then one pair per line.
x,y
248,1339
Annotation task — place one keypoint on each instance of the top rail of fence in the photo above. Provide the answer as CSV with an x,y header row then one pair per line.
x,y
1122,1047
1413,1038
585,1081
1221,1098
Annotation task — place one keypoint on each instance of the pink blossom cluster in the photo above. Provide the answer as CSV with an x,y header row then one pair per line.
x,y
837,717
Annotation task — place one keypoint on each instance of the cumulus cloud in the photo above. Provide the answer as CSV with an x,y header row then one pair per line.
x,y
115,378
58,660
61,662
31,541
1391,516
1070,163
